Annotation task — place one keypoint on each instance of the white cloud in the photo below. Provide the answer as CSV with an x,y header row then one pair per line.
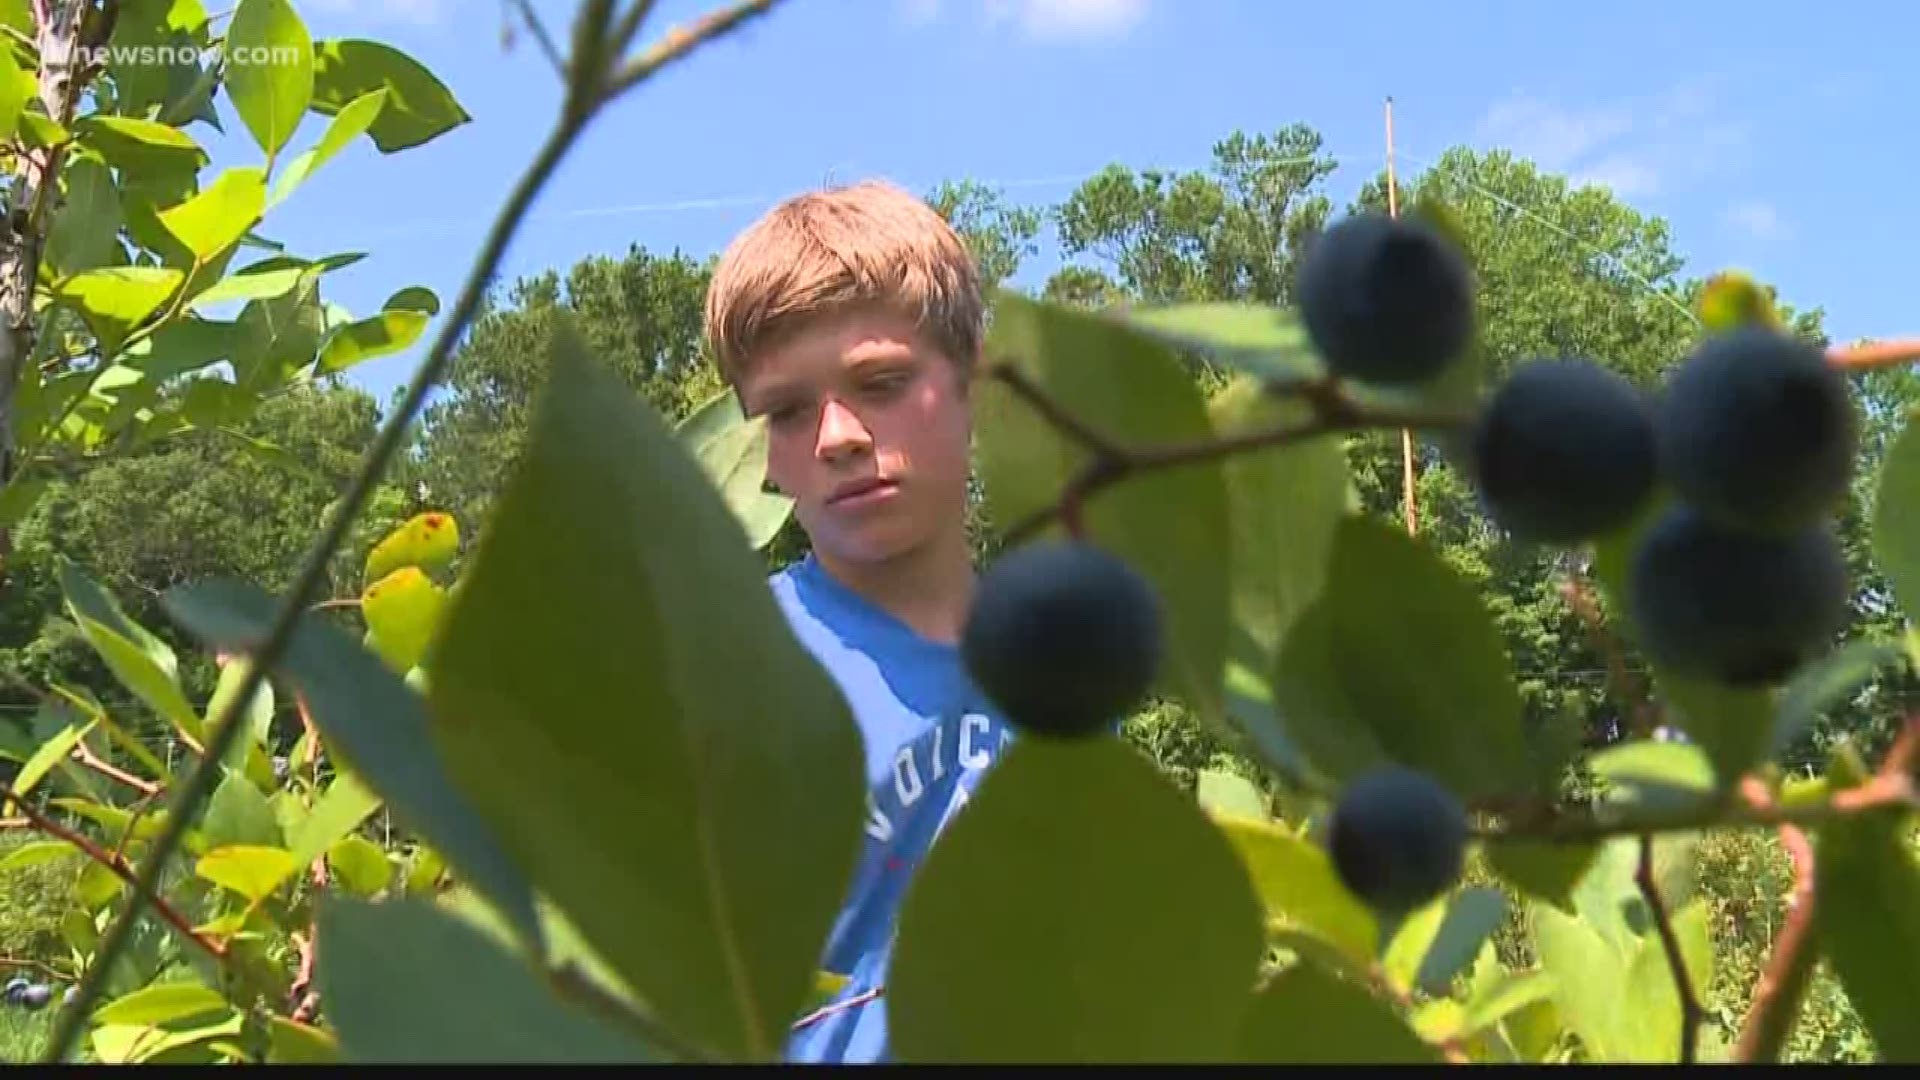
x,y
1635,146
1042,19
1756,218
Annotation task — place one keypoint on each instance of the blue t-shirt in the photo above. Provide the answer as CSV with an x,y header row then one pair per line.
x,y
930,735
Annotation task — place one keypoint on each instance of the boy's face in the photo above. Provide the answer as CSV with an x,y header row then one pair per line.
x,y
868,430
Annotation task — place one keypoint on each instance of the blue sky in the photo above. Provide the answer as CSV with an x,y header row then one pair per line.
x,y
1770,140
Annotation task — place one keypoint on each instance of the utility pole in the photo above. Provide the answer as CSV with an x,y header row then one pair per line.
x,y
1406,434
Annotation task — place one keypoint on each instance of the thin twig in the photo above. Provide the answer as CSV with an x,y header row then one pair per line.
x,y
832,1008
1630,692
225,728
120,869
133,823
679,42
1691,1012
540,35
1112,462
1877,354
84,755
1783,984
35,965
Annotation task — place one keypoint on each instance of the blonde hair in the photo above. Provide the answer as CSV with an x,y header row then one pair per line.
x,y
866,244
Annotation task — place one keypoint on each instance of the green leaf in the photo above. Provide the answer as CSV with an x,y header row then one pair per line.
x,y
414,298
1306,1016
37,853
1299,889
1225,793
1652,1024
85,229
452,995
293,1043
1171,525
19,497
345,805
220,214
264,284
1508,994
1286,504
1655,777
1472,917
115,299
1546,871
1158,968
1399,660
733,451
609,658
1409,937
254,871
256,716
373,725
45,759
1828,682
1867,921
122,1044
270,70
135,145
1896,517
239,814
419,106
1590,980
141,661
17,87
349,124
162,1003
360,865
1259,339
379,335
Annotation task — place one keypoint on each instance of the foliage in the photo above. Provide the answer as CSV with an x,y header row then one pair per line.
x,y
517,738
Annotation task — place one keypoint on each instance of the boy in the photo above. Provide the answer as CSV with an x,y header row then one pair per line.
x,y
852,320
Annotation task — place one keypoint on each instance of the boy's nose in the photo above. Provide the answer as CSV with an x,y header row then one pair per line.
x,y
841,432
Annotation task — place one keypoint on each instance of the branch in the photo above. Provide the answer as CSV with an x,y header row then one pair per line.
x,y
84,755
1878,354
1782,985
1691,1012
679,42
120,869
225,728
1112,461
41,966
1632,693
1885,792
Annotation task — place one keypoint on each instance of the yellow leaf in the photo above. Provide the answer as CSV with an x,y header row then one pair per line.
x,y
1732,299
403,611
428,541
252,870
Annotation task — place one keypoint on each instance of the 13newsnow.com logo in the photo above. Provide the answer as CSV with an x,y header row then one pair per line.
x,y
122,56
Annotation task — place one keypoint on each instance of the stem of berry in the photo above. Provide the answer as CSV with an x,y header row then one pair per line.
x,y
1112,462
1691,1012
1777,996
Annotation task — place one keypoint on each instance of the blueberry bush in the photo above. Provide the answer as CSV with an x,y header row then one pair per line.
x,y
529,809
